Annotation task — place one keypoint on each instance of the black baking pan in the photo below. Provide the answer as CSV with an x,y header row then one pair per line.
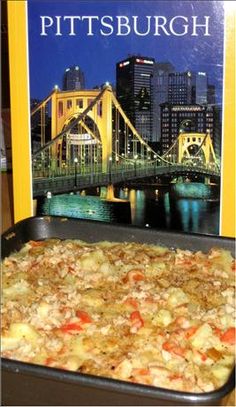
x,y
28,384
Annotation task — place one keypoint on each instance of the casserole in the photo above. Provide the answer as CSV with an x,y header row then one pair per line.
x,y
57,387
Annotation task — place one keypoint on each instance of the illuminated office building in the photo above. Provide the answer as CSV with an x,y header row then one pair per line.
x,y
190,88
133,91
190,119
144,85
180,88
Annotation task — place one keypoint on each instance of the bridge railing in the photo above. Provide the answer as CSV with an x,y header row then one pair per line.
x,y
116,174
137,168
83,169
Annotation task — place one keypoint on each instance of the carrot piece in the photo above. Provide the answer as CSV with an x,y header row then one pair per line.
x,y
83,316
135,315
167,346
133,276
171,347
136,319
229,336
71,326
138,277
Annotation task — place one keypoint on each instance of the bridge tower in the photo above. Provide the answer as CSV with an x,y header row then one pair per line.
x,y
68,105
199,143
196,148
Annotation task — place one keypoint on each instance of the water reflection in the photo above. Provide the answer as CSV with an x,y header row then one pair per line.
x,y
137,205
197,215
167,209
147,207
190,211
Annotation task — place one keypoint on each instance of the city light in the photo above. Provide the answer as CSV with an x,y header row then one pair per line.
x,y
187,108
144,61
122,64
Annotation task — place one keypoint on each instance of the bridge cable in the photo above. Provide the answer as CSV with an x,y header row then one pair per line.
x,y
43,102
128,122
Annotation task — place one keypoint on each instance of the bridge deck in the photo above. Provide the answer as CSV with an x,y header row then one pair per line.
x,y
69,183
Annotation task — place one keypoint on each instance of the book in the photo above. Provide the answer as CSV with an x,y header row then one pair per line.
x,y
124,113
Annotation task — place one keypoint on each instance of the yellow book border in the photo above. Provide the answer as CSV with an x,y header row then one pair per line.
x,y
20,114
20,117
228,205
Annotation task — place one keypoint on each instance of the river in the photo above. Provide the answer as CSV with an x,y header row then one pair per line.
x,y
149,207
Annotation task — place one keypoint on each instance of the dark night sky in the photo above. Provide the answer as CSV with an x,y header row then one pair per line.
x,y
97,55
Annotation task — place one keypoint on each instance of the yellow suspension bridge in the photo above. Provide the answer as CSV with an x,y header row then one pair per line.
x,y
93,143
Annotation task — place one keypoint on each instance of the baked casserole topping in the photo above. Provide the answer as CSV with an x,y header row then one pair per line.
x,y
130,311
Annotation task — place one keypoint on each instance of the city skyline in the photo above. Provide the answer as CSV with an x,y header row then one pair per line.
x,y
97,56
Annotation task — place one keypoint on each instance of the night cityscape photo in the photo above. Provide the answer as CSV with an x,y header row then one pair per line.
x,y
126,111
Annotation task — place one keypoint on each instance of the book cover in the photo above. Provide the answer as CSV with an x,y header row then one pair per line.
x,y
124,113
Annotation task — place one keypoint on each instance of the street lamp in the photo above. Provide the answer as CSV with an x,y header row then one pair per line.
x,y
155,162
76,163
49,197
110,161
135,165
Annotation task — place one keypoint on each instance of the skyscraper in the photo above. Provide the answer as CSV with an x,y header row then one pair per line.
x,y
133,91
190,88
180,88
160,83
73,79
201,85
211,95
198,112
